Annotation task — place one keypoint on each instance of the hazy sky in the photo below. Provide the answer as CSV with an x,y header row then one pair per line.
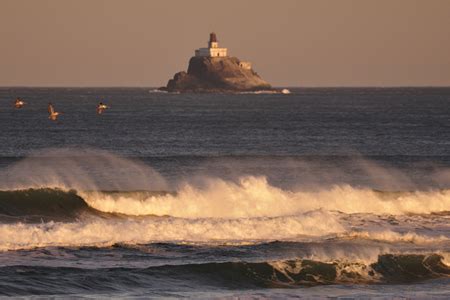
x,y
289,42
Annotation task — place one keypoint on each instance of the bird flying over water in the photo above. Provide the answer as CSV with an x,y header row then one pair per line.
x,y
101,107
53,115
19,103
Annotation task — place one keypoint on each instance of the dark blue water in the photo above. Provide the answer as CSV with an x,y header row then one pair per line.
x,y
322,192
412,122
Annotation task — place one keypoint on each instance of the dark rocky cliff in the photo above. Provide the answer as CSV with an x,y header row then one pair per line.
x,y
216,74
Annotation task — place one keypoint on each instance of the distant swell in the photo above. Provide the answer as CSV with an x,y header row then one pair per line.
x,y
388,268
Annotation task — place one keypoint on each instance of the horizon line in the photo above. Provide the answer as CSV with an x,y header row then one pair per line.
x,y
276,87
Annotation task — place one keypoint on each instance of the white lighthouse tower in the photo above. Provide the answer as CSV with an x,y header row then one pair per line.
x,y
213,49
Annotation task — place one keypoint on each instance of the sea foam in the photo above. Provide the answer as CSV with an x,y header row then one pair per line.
x,y
255,197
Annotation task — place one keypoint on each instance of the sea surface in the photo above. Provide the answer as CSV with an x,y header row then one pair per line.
x,y
320,193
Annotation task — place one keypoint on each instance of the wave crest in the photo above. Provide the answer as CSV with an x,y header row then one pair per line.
x,y
34,205
255,197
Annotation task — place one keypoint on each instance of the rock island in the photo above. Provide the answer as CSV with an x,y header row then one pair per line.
x,y
212,70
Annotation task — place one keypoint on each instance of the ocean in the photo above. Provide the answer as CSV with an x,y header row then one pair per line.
x,y
339,193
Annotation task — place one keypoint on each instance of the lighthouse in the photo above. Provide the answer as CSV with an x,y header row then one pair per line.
x,y
213,49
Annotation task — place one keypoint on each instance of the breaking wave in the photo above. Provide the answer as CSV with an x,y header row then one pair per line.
x,y
388,268
255,197
98,199
251,197
50,217
248,211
